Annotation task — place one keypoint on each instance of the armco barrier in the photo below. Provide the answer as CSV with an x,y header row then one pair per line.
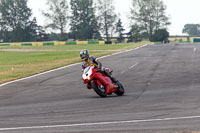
x,y
37,44
15,44
101,42
196,40
26,44
4,44
81,42
52,43
70,43
59,43
48,44
93,42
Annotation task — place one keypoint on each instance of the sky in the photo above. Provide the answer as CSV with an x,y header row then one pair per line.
x,y
181,12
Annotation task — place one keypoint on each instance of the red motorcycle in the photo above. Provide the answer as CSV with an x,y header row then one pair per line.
x,y
101,84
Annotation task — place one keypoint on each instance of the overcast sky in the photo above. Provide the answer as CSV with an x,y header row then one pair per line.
x,y
181,12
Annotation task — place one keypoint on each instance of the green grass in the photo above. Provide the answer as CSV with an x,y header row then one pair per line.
x,y
18,58
75,47
15,65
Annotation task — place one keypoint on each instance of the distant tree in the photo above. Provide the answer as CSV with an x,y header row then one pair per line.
x,y
192,29
160,35
55,36
135,34
15,22
107,17
40,33
83,20
33,32
57,16
120,31
150,15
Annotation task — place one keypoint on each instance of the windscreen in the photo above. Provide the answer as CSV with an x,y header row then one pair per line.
x,y
86,69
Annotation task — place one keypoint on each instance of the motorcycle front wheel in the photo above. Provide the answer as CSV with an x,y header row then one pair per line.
x,y
120,91
100,90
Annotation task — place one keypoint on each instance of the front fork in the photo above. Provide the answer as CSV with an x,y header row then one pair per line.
x,y
97,81
100,84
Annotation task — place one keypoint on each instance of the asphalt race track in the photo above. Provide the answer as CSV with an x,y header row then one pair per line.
x,y
162,84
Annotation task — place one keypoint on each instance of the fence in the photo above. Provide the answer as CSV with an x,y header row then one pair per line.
x,y
52,43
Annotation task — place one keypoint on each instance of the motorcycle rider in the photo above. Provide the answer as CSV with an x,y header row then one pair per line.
x,y
87,60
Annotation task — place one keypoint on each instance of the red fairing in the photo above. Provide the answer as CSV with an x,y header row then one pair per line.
x,y
106,82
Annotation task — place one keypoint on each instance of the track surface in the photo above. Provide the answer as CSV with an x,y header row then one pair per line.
x,y
162,85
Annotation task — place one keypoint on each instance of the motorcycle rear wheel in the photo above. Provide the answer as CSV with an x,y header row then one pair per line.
x,y
101,91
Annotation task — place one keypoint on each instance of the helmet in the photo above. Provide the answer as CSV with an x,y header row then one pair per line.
x,y
84,54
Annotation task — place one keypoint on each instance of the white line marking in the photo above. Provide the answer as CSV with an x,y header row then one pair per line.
x,y
195,49
123,71
67,66
129,68
100,123
133,66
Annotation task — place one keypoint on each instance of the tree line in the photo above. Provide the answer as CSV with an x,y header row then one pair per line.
x,y
82,20
191,29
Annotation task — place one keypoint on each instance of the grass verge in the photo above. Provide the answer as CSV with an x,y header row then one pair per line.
x,y
15,65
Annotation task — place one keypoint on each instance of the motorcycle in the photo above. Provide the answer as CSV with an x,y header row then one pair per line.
x,y
101,84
